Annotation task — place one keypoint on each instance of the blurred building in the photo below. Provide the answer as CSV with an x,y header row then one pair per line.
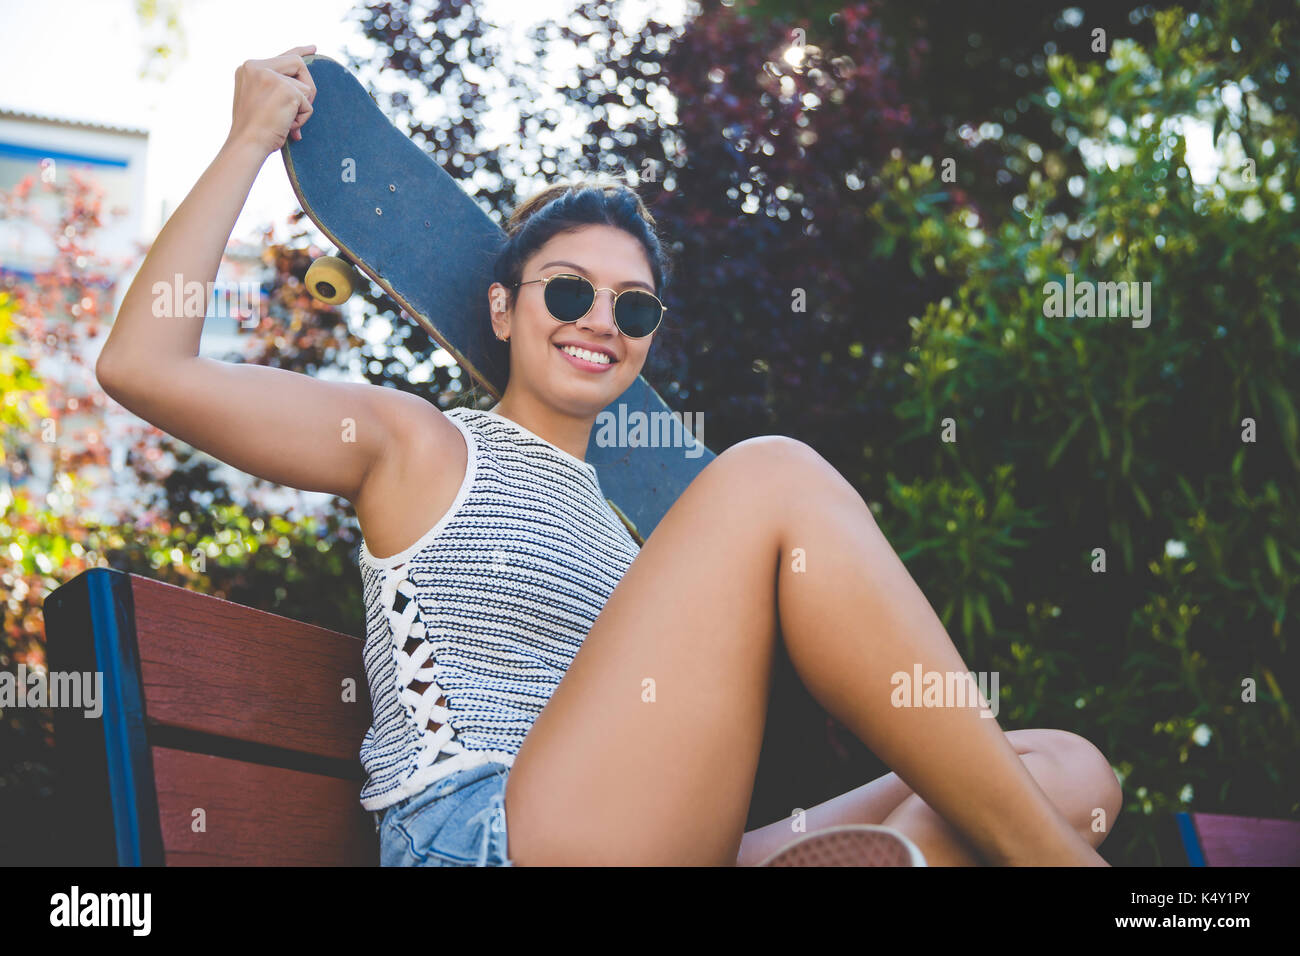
x,y
114,158
52,149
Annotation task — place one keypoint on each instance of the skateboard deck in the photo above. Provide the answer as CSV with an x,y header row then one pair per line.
x,y
403,221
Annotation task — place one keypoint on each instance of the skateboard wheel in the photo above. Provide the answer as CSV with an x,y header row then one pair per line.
x,y
331,280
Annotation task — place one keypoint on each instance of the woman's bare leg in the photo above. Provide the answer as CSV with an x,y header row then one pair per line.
x,y
646,752
1071,771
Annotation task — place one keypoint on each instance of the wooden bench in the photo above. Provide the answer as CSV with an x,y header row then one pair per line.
x,y
1217,839
215,707
228,736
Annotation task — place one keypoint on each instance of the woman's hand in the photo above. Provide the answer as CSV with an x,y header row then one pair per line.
x,y
272,100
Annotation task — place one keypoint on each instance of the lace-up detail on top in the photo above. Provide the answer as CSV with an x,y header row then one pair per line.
x,y
423,699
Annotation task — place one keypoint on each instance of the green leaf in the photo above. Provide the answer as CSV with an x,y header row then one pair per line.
x,y
1102,433
1142,501
1005,591
1064,440
1274,560
1237,461
1286,415
982,606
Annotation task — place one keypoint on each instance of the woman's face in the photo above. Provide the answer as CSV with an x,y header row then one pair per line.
x,y
611,259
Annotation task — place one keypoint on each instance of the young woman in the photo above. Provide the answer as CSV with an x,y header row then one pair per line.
x,y
533,673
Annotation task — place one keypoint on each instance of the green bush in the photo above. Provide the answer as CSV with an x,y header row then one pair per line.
x,y
1075,434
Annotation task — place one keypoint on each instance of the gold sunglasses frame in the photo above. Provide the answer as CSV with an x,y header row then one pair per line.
x,y
613,305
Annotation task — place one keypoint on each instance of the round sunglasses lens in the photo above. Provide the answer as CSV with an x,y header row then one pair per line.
x,y
569,298
638,313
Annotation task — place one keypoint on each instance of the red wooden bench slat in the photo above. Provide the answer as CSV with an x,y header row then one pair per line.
x,y
1247,841
221,668
257,815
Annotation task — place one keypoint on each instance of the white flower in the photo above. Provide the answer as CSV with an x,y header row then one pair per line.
x,y
1175,549
1202,735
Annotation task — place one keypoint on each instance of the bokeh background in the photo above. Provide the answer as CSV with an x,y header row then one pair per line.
x,y
864,201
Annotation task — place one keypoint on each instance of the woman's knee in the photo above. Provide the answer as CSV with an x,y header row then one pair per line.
x,y
780,465
1089,771
773,449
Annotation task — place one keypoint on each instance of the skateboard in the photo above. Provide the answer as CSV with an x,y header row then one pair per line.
x,y
400,219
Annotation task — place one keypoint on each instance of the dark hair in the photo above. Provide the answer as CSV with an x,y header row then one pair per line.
x,y
564,206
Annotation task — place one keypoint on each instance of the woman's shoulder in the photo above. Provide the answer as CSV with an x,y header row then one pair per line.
x,y
423,478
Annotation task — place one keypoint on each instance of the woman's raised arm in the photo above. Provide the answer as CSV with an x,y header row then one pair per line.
x,y
279,425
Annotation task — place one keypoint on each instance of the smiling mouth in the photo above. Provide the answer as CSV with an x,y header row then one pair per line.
x,y
585,355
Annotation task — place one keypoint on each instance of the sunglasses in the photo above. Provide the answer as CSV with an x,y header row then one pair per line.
x,y
637,313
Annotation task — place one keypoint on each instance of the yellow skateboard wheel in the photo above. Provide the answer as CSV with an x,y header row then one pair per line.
x,y
331,280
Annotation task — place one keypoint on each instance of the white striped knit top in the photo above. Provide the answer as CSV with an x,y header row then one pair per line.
x,y
487,608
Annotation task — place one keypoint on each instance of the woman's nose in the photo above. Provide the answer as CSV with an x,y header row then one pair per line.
x,y
602,310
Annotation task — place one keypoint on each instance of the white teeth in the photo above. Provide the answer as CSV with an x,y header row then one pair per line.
x,y
600,358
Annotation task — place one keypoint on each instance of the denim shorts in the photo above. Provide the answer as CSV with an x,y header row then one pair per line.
x,y
459,820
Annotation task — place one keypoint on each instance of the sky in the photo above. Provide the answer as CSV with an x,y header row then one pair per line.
x,y
93,75
81,60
